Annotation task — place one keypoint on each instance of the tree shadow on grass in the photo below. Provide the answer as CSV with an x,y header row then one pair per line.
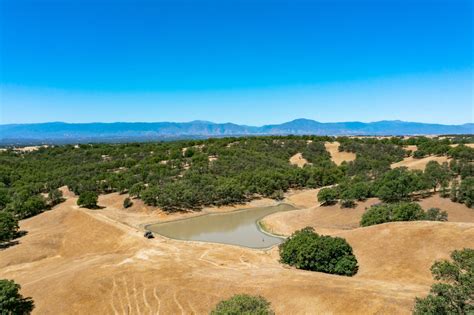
x,y
14,241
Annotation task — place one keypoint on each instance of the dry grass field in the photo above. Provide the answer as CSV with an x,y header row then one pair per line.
x,y
298,160
336,156
76,261
419,164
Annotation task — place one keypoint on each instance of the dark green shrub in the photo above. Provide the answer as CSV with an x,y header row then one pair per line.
x,y
307,250
11,301
435,214
243,304
454,294
127,203
88,199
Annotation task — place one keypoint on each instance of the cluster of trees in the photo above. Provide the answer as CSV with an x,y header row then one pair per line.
x,y
11,301
243,304
402,211
463,193
195,173
454,293
308,250
399,184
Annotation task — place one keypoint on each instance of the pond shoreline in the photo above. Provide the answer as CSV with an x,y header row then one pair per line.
x,y
211,236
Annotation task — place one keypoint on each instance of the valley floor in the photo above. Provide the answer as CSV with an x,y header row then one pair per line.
x,y
77,261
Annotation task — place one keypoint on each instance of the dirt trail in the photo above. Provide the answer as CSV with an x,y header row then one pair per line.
x,y
75,261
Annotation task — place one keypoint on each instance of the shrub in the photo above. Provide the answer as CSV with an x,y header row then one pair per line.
x,y
454,294
403,211
435,214
327,196
11,301
307,250
348,203
127,203
243,304
88,199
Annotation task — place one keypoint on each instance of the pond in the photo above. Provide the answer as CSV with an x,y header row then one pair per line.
x,y
236,228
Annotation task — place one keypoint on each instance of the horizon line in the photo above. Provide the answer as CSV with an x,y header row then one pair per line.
x,y
229,122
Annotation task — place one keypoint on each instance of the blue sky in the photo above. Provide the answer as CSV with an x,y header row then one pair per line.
x,y
251,62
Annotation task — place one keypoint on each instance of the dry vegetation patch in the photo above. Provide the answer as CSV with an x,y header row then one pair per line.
x,y
419,164
337,156
298,160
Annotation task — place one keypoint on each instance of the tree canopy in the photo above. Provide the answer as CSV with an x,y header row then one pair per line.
x,y
308,250
454,291
11,301
402,211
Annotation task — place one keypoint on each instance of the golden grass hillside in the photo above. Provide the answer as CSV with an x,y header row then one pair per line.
x,y
76,261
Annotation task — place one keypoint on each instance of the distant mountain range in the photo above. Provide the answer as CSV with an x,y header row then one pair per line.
x,y
59,132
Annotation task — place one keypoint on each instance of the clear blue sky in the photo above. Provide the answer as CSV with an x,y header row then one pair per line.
x,y
249,61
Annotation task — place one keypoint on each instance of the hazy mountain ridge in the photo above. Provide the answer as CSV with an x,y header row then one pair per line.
x,y
121,131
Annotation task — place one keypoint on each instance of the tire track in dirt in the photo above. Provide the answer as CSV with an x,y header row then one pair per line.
x,y
158,300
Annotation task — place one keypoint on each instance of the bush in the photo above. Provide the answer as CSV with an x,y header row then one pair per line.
x,y
88,199
11,301
243,304
327,196
403,211
435,214
454,295
307,250
127,203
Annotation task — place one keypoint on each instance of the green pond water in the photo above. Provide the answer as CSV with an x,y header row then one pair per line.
x,y
236,228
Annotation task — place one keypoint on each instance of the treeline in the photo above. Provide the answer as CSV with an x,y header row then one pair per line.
x,y
195,173
172,175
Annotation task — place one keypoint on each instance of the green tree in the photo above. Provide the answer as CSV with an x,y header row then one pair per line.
x,y
454,293
243,304
307,250
55,197
8,226
398,184
88,199
436,174
11,301
466,192
327,196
